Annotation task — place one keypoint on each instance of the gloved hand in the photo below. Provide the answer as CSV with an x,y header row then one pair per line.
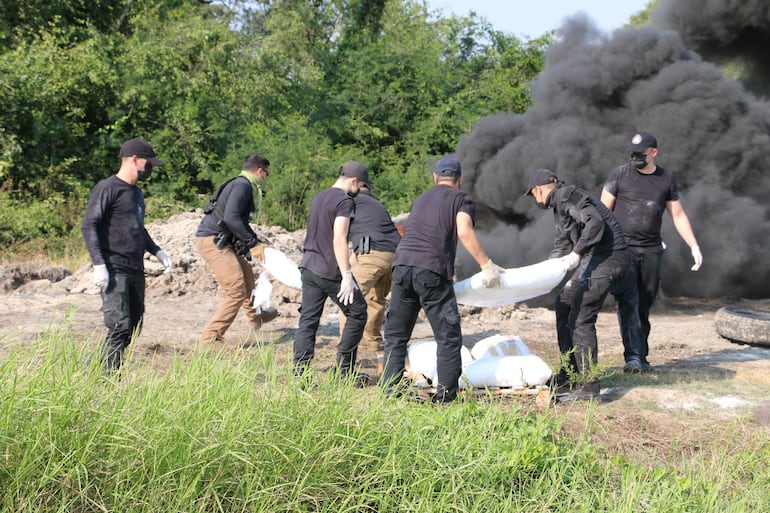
x,y
491,272
571,261
258,251
165,260
697,257
101,276
348,288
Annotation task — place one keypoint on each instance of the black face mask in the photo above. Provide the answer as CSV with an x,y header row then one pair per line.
x,y
145,173
638,159
353,194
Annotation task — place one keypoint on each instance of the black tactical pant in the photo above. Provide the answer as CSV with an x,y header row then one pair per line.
x,y
626,294
578,305
315,290
646,262
123,309
414,288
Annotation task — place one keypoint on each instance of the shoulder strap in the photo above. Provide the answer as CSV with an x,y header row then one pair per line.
x,y
212,205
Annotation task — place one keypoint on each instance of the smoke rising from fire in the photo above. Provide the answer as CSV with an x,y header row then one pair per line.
x,y
595,92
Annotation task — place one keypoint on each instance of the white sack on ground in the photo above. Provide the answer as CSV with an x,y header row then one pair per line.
x,y
498,345
282,268
421,362
506,371
495,361
518,284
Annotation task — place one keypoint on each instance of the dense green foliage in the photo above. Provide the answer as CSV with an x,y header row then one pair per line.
x,y
216,433
308,84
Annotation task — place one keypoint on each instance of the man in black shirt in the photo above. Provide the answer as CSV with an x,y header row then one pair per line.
x,y
374,239
590,240
225,240
116,239
423,268
326,273
638,193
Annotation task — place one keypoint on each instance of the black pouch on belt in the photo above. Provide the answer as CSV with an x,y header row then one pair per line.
x,y
363,246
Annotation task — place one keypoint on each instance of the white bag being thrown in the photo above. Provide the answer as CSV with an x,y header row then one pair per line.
x,y
260,296
282,268
517,284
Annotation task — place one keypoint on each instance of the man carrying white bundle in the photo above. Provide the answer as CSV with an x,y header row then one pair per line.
x,y
422,277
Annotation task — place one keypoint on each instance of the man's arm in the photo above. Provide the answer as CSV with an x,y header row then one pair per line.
x,y
98,205
608,199
467,235
348,285
341,252
469,239
682,225
681,222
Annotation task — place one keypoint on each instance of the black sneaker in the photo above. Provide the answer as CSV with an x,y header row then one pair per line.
x,y
646,367
585,392
362,380
560,382
634,365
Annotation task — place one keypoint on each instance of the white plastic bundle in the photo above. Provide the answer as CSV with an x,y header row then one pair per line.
x,y
518,284
495,361
421,361
282,268
260,296
498,345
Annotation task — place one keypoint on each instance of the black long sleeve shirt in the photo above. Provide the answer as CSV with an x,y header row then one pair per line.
x,y
113,227
583,224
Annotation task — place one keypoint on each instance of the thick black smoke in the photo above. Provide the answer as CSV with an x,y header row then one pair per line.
x,y
596,91
732,32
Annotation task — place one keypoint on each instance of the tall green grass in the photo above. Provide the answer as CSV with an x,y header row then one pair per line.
x,y
239,434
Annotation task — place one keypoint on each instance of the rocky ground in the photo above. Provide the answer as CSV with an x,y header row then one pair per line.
x,y
702,387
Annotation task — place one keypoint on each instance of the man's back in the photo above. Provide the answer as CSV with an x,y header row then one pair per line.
x,y
372,219
430,239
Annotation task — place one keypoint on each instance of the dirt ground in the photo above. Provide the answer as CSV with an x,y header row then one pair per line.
x,y
702,389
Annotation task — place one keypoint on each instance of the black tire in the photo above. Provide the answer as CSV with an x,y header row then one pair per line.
x,y
743,325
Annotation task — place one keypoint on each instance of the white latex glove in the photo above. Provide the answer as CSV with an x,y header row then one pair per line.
x,y
101,276
348,288
697,257
165,260
571,261
491,272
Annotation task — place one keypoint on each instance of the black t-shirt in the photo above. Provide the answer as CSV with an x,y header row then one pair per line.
x,y
373,220
583,224
113,227
318,256
640,200
430,238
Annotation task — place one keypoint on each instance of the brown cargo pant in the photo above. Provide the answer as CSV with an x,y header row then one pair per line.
x,y
373,274
235,276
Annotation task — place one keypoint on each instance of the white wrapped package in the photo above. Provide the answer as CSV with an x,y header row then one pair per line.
x,y
282,268
518,284
502,362
498,345
260,295
421,362
506,371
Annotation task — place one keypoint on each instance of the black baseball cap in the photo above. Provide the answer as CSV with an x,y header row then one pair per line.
x,y
540,177
141,149
449,166
354,169
643,140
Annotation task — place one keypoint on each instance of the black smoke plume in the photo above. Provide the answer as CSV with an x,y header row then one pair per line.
x,y
595,92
